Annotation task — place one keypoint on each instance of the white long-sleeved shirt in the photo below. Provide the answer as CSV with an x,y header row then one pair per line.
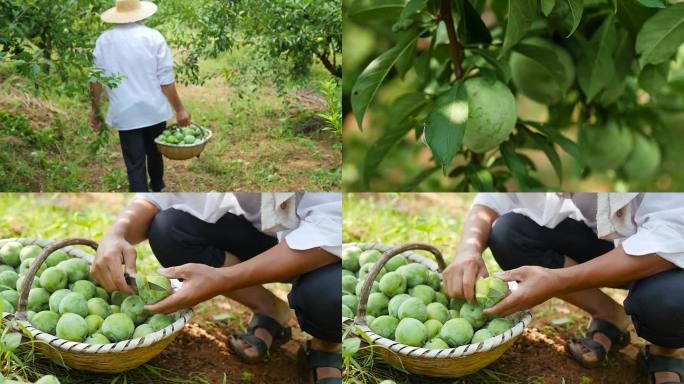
x,y
318,215
140,54
643,223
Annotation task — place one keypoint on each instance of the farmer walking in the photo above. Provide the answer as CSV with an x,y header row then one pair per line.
x,y
139,105
230,244
570,245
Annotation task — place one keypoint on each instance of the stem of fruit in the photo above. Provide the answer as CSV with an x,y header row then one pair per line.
x,y
456,54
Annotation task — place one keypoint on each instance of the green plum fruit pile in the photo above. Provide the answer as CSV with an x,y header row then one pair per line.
x,y
65,301
182,136
407,303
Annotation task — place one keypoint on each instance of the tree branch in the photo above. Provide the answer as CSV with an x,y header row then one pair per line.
x,y
335,70
456,54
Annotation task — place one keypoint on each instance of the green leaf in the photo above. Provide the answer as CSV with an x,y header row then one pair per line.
x,y
569,146
445,125
10,341
369,81
576,8
546,58
376,9
502,68
595,68
661,36
653,77
521,14
633,15
653,3
403,120
412,184
410,10
480,178
471,28
515,163
547,6
545,145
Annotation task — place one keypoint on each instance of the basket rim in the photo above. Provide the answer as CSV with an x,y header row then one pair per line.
x,y
182,316
210,134
525,318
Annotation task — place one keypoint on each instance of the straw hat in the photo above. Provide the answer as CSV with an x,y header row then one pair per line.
x,y
129,11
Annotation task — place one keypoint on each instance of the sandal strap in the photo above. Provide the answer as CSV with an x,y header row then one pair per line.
x,y
656,363
320,359
254,341
268,324
610,330
592,345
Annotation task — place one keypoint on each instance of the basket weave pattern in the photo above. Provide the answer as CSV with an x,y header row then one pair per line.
x,y
451,362
105,358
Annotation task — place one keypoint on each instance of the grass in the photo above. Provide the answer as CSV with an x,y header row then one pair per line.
x,y
264,139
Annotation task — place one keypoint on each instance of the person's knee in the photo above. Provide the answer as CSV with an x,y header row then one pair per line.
x,y
657,309
160,235
317,301
506,240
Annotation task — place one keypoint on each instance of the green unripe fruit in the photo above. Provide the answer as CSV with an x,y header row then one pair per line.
x,y
53,279
9,253
442,299
159,321
413,308
424,293
47,379
538,81
395,303
492,114
11,296
454,314
118,297
490,290
433,327
605,147
56,298
30,252
101,293
46,321
74,303
96,338
97,306
55,258
375,287
366,268
392,284
369,256
72,327
346,312
481,335
134,307
152,287
414,273
456,332
411,332
349,283
8,279
456,303
438,312
473,314
117,327
38,299
85,288
20,281
26,264
4,268
436,343
142,330
76,269
351,301
434,280
94,323
643,161
377,304
384,326
499,325
388,382
395,262
115,308
6,306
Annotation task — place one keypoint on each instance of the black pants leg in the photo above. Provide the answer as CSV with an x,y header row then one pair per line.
x,y
177,237
516,240
138,148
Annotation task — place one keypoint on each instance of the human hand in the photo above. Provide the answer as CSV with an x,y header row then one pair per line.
x,y
459,277
200,283
184,118
535,285
106,269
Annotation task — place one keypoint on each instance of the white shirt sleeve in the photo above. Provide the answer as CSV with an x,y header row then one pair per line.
x,y
161,200
164,63
659,219
501,203
320,223
97,58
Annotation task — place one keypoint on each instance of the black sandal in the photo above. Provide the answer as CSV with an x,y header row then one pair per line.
x,y
654,364
313,359
278,333
618,340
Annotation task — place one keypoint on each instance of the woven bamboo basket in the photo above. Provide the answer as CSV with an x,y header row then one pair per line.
x,y
184,152
101,358
448,363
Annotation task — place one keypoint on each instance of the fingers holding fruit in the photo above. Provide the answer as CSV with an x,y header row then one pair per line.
x,y
459,277
106,269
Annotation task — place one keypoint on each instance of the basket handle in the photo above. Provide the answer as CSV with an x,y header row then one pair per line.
x,y
368,283
31,274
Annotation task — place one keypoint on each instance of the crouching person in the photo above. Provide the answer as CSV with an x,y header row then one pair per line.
x,y
230,244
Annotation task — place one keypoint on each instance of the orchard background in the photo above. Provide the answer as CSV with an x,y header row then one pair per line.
x,y
263,75
579,95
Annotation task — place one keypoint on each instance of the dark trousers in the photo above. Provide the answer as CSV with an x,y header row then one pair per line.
x,y
177,238
138,148
655,303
